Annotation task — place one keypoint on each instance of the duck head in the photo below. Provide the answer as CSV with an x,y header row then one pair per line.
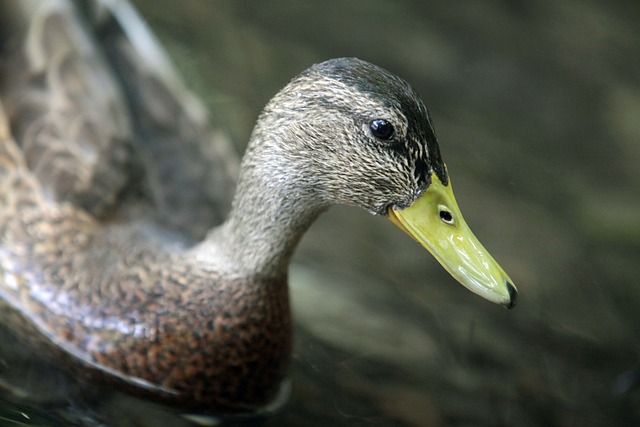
x,y
348,132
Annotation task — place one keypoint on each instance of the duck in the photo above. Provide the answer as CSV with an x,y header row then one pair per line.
x,y
137,250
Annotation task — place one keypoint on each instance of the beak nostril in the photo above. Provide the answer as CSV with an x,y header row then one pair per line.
x,y
513,295
446,216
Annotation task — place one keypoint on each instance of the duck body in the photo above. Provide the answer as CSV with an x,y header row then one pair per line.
x,y
154,322
90,270
114,256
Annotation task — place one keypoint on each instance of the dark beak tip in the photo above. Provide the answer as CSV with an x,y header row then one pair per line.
x,y
513,296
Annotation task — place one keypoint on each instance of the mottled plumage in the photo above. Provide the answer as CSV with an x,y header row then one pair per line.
x,y
110,174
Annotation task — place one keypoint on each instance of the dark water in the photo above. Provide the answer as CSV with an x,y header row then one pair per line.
x,y
537,108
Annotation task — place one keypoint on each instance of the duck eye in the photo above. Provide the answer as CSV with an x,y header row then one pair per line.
x,y
381,129
446,216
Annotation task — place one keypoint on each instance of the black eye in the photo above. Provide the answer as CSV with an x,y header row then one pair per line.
x,y
382,129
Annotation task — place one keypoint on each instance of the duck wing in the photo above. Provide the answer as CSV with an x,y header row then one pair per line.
x,y
102,119
64,110
191,165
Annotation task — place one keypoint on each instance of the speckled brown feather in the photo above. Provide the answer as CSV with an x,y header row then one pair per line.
x,y
109,171
151,320
105,294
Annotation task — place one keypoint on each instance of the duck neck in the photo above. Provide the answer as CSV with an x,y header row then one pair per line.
x,y
272,209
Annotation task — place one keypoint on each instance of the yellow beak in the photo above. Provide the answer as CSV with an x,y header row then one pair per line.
x,y
435,221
